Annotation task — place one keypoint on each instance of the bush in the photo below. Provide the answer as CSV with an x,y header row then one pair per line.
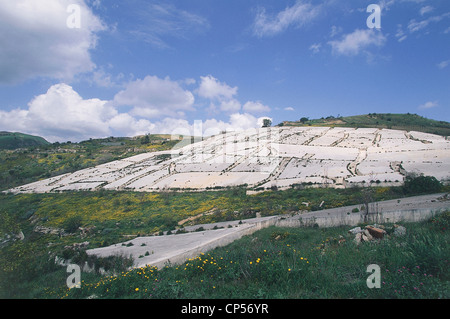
x,y
72,224
421,184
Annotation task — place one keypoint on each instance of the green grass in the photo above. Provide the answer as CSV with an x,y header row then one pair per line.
x,y
10,140
407,122
115,213
27,266
294,263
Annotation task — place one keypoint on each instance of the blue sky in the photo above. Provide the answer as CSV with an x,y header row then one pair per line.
x,y
75,69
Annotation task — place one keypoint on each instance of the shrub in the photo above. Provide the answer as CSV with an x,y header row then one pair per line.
x,y
421,184
72,224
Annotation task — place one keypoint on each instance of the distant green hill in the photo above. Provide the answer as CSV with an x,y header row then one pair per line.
x,y
14,140
407,122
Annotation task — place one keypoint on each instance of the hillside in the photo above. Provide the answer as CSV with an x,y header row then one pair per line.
x,y
31,164
267,158
14,140
407,122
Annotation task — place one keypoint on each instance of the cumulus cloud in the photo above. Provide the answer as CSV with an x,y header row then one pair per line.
x,y
297,16
232,105
429,105
61,113
37,42
236,122
353,43
154,97
124,124
255,107
212,88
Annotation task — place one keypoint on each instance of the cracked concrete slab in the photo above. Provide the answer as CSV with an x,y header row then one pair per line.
x,y
267,157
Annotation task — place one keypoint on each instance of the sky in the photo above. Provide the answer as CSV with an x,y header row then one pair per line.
x,y
71,70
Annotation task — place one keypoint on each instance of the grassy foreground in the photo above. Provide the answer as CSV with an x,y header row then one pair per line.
x,y
295,263
28,252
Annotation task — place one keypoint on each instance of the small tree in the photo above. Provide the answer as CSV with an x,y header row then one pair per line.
x,y
72,224
145,140
303,120
421,184
267,123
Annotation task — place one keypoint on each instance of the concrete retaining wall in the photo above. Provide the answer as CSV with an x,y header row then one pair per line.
x,y
353,219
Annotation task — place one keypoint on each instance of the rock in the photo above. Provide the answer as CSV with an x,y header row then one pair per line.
x,y
86,231
355,230
77,246
399,231
49,230
367,234
358,238
376,232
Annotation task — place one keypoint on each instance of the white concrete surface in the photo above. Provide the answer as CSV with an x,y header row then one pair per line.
x,y
176,248
258,157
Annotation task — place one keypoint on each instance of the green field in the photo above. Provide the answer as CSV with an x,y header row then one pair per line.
x,y
27,265
10,141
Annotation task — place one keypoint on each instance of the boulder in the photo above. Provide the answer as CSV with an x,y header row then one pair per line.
x,y
376,232
399,231
355,230
367,236
358,238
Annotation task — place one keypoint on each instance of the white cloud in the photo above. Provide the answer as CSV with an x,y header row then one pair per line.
x,y
426,9
315,47
61,114
232,105
96,3
386,4
297,16
443,64
236,122
154,97
156,23
400,35
255,107
355,42
124,124
37,42
211,88
335,31
415,26
289,109
429,105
